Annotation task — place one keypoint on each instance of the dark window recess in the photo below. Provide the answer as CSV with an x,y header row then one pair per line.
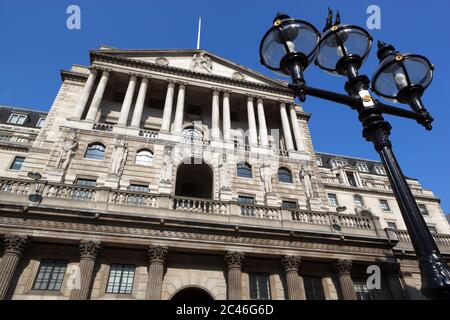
x,y
314,288
118,97
289,205
244,170
351,179
50,275
234,116
259,286
156,103
189,190
194,110
246,200
17,163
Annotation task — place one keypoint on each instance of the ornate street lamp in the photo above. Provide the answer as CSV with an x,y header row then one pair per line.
x,y
291,45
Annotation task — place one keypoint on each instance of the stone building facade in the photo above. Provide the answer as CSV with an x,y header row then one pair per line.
x,y
179,174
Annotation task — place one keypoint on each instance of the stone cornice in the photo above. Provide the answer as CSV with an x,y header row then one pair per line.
x,y
74,76
96,56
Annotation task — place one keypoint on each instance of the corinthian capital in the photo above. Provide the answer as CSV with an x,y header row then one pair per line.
x,y
157,254
234,260
15,244
89,249
291,263
343,267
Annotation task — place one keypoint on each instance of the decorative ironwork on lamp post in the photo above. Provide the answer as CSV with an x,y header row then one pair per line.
x,y
291,45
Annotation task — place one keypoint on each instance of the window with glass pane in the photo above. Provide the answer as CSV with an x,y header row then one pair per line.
x,y
433,229
351,178
362,292
40,123
95,151
289,205
144,158
50,275
137,200
379,170
384,205
121,279
313,288
17,163
335,163
245,200
423,209
17,119
82,193
284,175
359,202
332,200
392,225
362,167
319,162
259,286
244,170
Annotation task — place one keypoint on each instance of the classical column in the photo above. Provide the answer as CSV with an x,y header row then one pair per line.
x,y
253,135
179,115
295,289
215,115
98,97
88,254
85,94
286,127
156,257
263,137
392,273
14,247
226,117
127,102
234,262
167,115
297,131
139,107
343,268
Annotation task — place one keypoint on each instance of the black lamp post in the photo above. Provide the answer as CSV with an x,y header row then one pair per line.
x,y
291,45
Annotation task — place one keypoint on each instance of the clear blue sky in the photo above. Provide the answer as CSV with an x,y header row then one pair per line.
x,y
35,45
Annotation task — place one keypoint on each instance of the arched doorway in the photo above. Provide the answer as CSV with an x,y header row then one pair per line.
x,y
192,294
194,180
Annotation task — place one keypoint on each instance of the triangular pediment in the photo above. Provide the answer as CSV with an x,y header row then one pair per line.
x,y
199,61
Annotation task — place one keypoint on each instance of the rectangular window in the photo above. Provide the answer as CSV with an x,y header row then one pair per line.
x,y
314,288
40,123
423,209
82,193
362,292
392,225
259,286
137,200
287,205
362,167
121,279
319,162
359,202
244,200
351,179
332,200
384,205
50,275
17,119
17,164
379,170
433,229
336,163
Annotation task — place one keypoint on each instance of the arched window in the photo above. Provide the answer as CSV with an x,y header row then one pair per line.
x,y
284,175
144,157
190,135
95,151
244,170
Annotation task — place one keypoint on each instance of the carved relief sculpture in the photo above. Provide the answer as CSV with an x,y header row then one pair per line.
x,y
166,169
224,176
266,177
201,63
119,158
306,179
67,151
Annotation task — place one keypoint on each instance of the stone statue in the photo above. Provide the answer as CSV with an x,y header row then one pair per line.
x,y
201,62
305,178
266,177
224,176
67,152
119,157
166,169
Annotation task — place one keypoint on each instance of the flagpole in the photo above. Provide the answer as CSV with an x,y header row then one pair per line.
x,y
199,32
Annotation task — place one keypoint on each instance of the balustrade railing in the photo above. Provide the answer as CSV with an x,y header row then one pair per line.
x,y
103,127
71,192
16,139
441,239
324,218
15,187
201,206
310,217
149,134
137,199
260,212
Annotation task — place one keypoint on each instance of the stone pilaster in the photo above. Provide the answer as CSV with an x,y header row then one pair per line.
x,y
263,135
286,127
89,251
343,268
234,262
253,134
140,101
215,115
85,94
179,113
226,117
168,105
297,130
291,265
392,273
156,257
14,247
125,111
98,97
